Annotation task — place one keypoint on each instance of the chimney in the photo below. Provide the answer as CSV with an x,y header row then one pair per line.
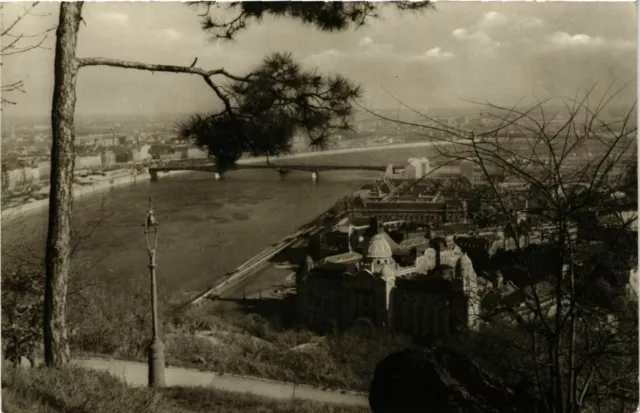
x,y
373,225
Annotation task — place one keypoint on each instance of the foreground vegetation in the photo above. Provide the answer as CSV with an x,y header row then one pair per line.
x,y
243,344
76,390
108,319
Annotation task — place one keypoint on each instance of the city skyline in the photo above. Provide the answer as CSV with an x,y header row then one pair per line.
x,y
464,52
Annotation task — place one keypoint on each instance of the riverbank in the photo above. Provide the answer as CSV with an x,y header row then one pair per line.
x,y
81,191
258,262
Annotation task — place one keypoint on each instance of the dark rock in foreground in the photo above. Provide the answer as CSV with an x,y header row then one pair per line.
x,y
437,381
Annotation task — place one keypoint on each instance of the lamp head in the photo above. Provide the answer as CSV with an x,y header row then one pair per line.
x,y
151,222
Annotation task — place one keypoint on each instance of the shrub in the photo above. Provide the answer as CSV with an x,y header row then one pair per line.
x,y
76,390
22,309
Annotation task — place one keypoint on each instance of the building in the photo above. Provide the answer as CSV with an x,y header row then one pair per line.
x,y
196,153
417,168
88,162
19,178
431,298
124,156
171,156
427,211
108,158
440,289
136,156
421,168
144,152
468,170
44,168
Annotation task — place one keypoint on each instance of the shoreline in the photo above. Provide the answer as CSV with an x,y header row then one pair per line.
x,y
34,206
80,191
260,260
37,205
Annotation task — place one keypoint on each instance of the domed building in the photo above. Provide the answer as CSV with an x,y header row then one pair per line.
x,y
374,290
378,253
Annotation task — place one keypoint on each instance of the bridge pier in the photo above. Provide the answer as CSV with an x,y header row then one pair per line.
x,y
314,176
154,175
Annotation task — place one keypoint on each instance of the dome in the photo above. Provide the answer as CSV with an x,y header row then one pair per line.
x,y
379,247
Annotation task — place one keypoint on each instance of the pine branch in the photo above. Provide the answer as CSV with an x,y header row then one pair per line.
x,y
125,64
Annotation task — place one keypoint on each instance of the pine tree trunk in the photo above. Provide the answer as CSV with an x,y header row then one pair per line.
x,y
58,260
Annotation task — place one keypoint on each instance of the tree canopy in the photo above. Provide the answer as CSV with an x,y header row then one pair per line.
x,y
278,99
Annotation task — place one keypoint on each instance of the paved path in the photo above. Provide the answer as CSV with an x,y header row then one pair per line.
x,y
135,374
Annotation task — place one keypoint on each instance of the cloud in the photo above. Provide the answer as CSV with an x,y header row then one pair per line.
x,y
365,41
480,38
114,17
460,33
492,18
172,34
323,56
562,39
479,43
435,53
623,44
529,22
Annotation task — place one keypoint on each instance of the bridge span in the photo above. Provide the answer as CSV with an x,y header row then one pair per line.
x,y
281,168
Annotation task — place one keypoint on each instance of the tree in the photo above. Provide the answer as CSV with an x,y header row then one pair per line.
x,y
261,111
14,43
573,341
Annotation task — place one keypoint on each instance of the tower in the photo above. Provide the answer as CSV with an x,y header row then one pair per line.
x,y
466,287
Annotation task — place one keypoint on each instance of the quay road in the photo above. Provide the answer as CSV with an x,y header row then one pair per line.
x,y
135,374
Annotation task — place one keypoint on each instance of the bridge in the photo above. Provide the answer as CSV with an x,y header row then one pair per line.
x,y
200,166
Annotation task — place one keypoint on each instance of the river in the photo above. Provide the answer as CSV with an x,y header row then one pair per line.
x,y
208,227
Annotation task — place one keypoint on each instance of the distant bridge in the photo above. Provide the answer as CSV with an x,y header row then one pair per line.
x,y
201,166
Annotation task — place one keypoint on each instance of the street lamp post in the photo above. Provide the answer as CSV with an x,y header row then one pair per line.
x,y
156,347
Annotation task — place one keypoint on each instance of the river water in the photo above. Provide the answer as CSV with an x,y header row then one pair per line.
x,y
208,227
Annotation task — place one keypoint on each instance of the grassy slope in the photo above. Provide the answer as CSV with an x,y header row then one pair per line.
x,y
84,391
249,345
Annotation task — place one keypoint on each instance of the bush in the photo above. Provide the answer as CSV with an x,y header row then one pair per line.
x,y
22,309
76,390
110,322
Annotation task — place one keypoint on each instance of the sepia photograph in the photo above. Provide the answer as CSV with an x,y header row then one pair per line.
x,y
319,207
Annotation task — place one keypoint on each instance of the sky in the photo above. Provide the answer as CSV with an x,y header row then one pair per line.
x,y
474,51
